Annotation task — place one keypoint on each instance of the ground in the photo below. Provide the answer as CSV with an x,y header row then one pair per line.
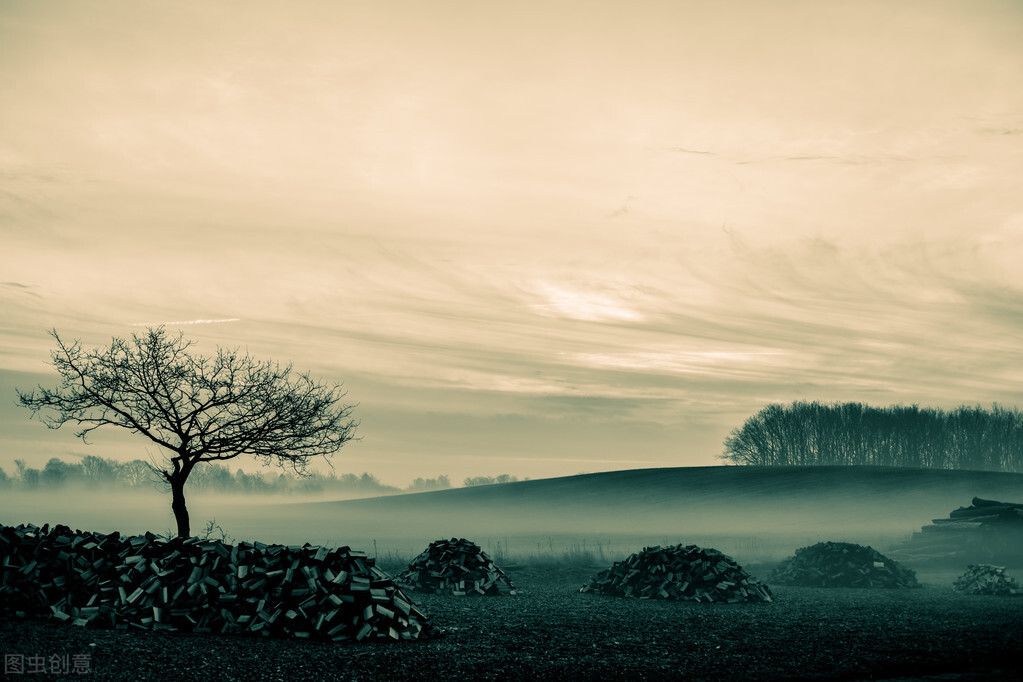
x,y
551,631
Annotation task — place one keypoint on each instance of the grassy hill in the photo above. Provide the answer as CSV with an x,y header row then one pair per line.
x,y
742,506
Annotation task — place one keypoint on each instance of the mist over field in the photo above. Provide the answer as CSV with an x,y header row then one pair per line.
x,y
752,513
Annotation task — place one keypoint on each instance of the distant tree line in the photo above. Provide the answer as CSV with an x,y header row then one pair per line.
x,y
91,470
99,472
812,433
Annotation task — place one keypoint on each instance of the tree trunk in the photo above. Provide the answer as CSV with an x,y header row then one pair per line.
x,y
177,484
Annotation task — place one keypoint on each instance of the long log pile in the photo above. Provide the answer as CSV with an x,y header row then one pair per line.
x,y
986,531
458,567
682,573
842,564
145,582
986,579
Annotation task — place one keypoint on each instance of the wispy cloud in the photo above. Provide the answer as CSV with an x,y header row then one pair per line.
x,y
606,303
178,323
684,150
715,363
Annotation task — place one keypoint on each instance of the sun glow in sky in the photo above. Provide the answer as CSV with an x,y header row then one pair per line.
x,y
531,238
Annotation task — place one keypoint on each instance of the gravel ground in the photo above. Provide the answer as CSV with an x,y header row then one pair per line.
x,y
551,631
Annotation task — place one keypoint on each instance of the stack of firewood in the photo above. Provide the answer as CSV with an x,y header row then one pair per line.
x,y
987,531
842,564
684,573
458,567
986,579
145,582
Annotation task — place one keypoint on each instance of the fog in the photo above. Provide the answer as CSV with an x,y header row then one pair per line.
x,y
754,514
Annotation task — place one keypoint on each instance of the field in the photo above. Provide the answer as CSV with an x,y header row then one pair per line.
x,y
551,537
550,631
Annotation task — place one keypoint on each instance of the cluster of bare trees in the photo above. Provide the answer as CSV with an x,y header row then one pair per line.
x,y
423,485
813,433
489,480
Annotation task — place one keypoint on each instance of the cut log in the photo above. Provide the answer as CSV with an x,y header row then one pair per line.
x,y
988,531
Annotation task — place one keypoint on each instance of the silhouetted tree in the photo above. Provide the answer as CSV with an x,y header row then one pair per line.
x,y
99,470
136,472
58,472
201,409
28,476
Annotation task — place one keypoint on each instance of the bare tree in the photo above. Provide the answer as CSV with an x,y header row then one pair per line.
x,y
136,472
98,470
201,409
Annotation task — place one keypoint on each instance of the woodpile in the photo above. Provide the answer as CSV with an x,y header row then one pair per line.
x,y
458,567
987,531
145,582
842,564
986,579
682,573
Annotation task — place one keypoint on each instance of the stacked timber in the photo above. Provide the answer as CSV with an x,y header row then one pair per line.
x,y
987,531
145,582
458,567
682,573
986,579
842,564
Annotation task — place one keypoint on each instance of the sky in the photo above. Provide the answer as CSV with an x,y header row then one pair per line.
x,y
535,238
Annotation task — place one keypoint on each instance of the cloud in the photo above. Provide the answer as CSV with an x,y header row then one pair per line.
x,y
1000,131
716,363
184,322
20,289
580,304
683,150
